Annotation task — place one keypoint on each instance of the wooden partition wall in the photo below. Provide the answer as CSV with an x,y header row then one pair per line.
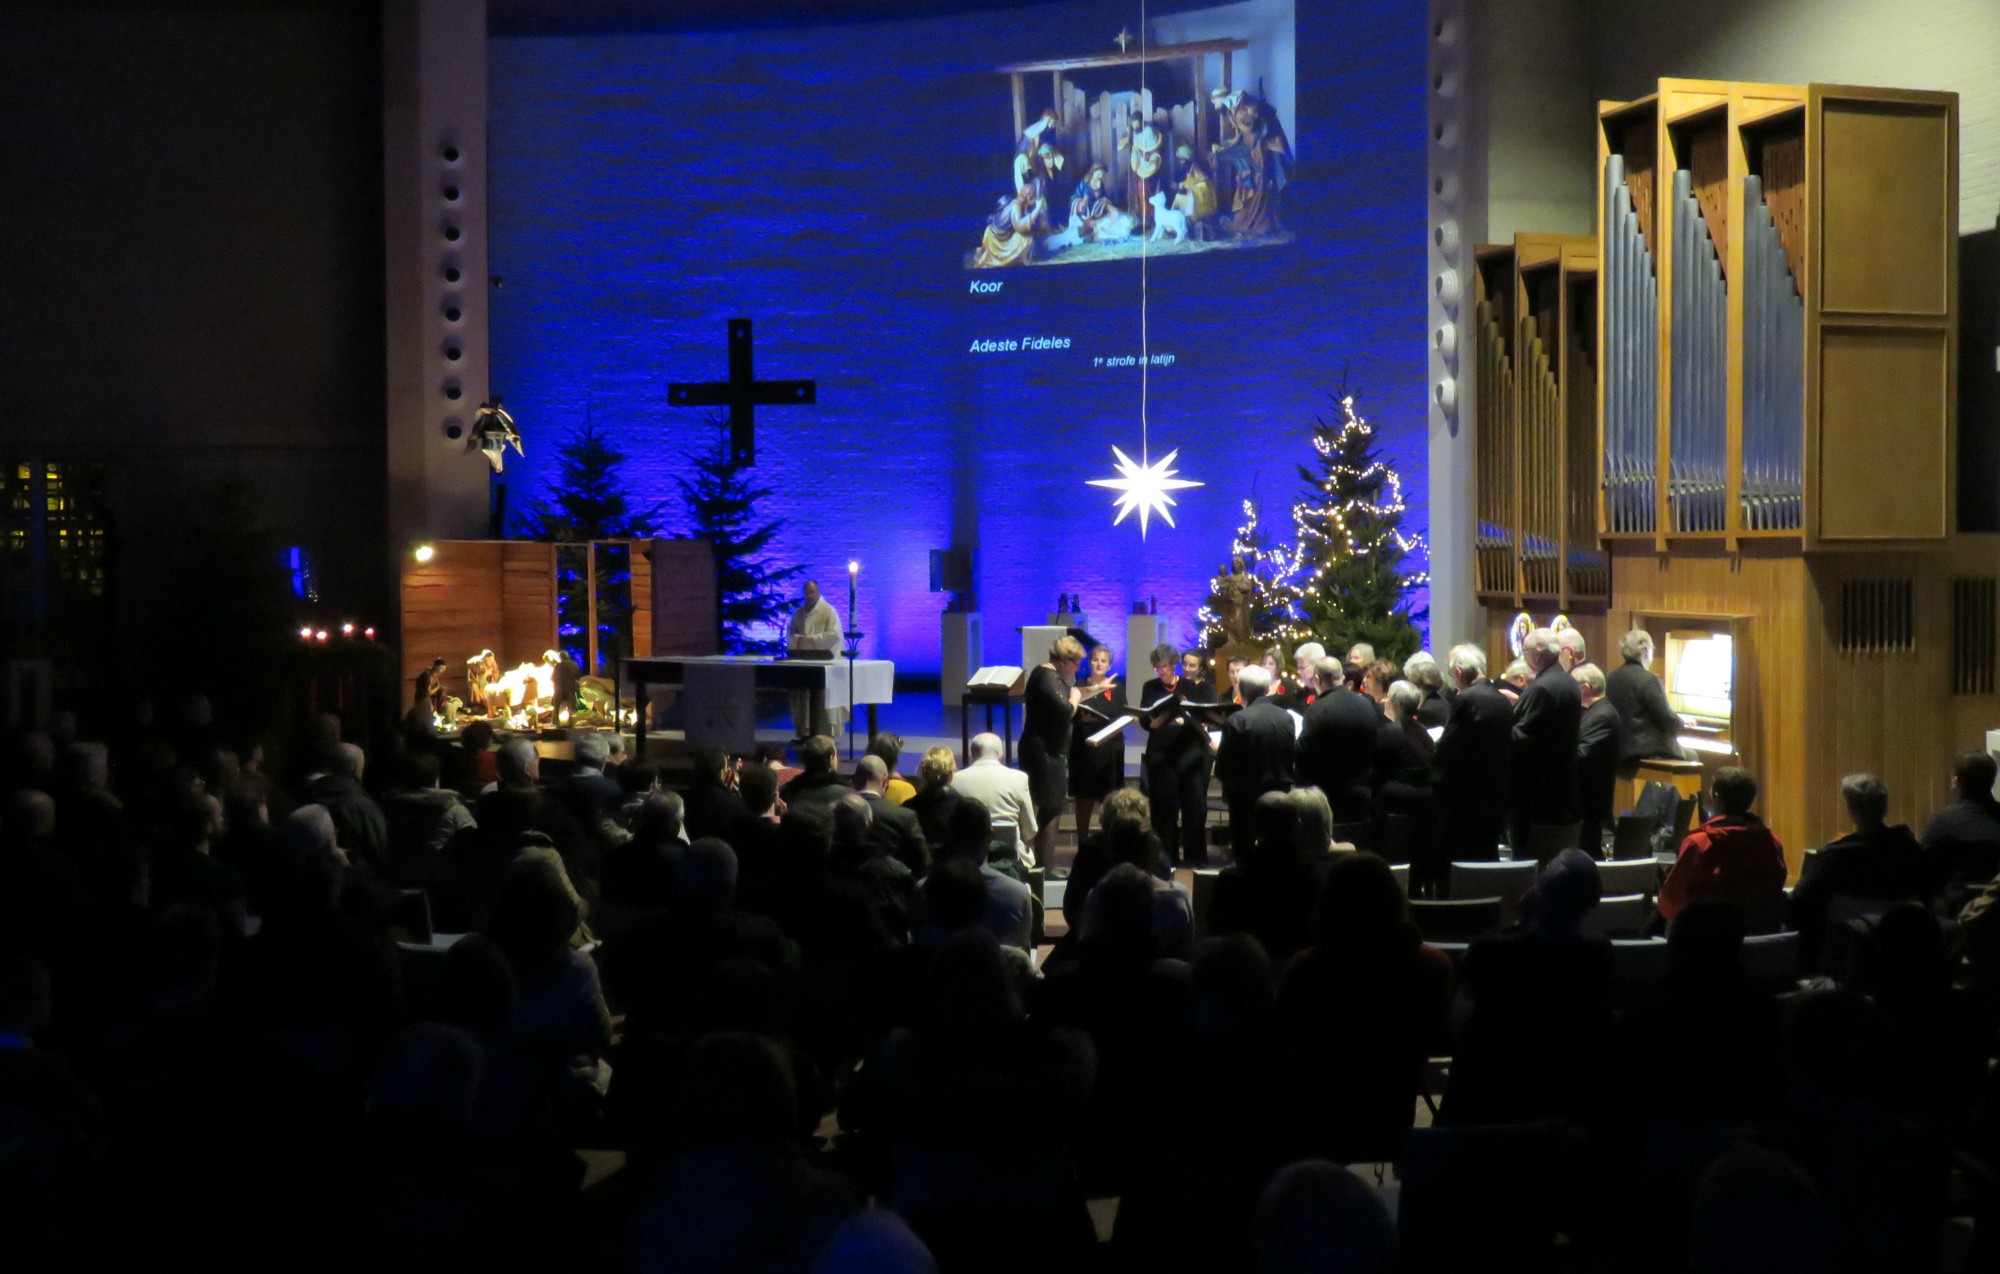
x,y
475,595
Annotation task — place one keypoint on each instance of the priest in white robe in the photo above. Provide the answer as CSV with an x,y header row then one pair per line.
x,y
814,633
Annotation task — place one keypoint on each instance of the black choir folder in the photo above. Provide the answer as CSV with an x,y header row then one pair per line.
x,y
1214,713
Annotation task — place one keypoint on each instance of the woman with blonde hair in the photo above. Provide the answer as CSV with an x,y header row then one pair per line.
x,y
935,798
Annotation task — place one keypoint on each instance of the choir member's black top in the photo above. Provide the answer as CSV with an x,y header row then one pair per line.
x,y
1337,745
1649,724
1095,770
1402,754
1546,722
1178,731
1259,747
1045,716
1472,753
1597,750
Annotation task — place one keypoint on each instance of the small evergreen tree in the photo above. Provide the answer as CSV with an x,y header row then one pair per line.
x,y
587,500
750,593
1270,598
1350,581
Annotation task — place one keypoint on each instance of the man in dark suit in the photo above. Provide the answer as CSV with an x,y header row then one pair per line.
x,y
1175,762
894,829
1962,840
1597,742
1648,723
1258,751
1471,762
1875,861
1543,779
1337,746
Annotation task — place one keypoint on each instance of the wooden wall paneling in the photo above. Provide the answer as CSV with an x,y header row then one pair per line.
x,y
527,602
450,609
1881,245
684,598
641,560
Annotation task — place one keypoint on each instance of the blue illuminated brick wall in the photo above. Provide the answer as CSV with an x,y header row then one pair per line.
x,y
827,182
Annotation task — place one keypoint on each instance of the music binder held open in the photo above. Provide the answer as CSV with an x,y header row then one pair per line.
x,y
1112,730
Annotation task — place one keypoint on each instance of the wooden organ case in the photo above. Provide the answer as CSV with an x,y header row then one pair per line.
x,y
1777,315
1535,438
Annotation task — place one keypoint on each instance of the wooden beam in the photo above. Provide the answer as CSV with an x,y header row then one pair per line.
x,y
1157,53
1020,108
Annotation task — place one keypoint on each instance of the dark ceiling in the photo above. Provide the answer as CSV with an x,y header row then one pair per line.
x,y
548,17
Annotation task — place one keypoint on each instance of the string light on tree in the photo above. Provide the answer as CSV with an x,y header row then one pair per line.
x,y
1271,570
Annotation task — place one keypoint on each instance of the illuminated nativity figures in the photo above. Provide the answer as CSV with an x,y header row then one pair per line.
x,y
1010,232
1196,200
481,672
1257,162
1092,216
1235,589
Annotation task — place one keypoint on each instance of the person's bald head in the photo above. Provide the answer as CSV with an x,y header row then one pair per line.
x,y
984,747
1540,650
870,775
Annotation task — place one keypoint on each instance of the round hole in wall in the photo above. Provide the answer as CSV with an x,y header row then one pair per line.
x,y
452,392
451,234
453,430
451,314
453,353
451,154
451,192
451,274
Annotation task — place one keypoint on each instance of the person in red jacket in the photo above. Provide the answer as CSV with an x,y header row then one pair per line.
x,y
1732,855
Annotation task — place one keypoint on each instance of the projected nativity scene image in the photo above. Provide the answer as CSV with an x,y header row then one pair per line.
x,y
1162,143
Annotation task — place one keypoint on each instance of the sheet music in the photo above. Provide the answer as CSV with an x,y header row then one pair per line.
x,y
1107,732
1298,723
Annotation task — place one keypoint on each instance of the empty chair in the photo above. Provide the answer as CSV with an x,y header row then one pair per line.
x,y
1546,840
1634,837
1401,871
1623,916
1772,959
1456,920
1635,876
1505,881
1359,835
1638,964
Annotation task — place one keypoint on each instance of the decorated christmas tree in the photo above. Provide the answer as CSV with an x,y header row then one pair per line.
x,y
587,500
722,509
1351,578
1270,571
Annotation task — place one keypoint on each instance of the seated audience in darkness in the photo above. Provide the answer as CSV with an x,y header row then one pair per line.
x,y
639,874
637,780
1536,1034
888,748
1359,1012
1732,855
560,1014
818,781
423,818
1962,840
897,831
935,796
714,807
475,764
519,804
1010,905
363,832
1875,862
591,794
1319,1218
1002,789
1270,893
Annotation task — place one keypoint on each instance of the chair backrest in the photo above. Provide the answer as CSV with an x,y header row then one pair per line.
x,y
1359,835
1636,876
1623,916
1546,840
1772,959
1505,881
1201,895
1638,963
1634,837
1684,819
1459,919
1401,871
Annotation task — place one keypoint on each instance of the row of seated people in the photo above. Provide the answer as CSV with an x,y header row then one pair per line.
x,y
202,1085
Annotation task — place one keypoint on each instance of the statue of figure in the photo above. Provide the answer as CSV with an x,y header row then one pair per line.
x,y
1234,587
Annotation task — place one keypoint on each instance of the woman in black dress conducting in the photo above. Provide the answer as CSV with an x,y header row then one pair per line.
x,y
1095,772
1052,696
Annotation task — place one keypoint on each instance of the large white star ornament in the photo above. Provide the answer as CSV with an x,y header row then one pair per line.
x,y
1143,485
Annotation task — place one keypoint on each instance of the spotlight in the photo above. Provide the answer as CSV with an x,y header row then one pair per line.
x,y
306,632
425,552
320,635
369,633
347,630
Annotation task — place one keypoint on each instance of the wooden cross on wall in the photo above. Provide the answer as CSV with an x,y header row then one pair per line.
x,y
742,393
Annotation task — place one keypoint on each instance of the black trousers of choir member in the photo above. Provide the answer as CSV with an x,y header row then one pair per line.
x,y
1177,786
